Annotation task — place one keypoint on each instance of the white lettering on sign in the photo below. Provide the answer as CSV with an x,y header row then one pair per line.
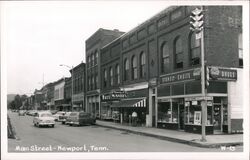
x,y
183,76
228,74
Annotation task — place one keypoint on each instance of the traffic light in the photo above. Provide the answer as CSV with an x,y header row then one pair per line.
x,y
207,76
196,20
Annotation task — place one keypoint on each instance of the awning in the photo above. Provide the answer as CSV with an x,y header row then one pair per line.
x,y
130,103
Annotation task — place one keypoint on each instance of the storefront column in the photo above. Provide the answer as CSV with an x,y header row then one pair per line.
x,y
150,115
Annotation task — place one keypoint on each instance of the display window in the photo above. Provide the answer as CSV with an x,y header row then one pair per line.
x,y
164,112
193,113
168,113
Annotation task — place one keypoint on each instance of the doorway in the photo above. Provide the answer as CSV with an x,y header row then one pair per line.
x,y
217,118
181,116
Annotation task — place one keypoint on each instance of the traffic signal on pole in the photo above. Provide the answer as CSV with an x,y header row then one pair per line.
x,y
196,20
207,77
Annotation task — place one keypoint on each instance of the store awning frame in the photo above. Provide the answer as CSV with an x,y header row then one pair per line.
x,y
138,103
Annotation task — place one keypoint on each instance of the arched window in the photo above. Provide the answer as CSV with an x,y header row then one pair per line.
x,y
134,67
96,57
142,65
105,78
117,74
93,59
195,49
126,69
178,53
165,63
111,76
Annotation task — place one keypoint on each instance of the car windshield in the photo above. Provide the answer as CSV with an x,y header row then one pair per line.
x,y
45,115
73,114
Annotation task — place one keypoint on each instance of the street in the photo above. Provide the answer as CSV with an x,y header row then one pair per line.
x,y
64,138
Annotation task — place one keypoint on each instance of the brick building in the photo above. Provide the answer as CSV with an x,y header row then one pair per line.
x,y
93,45
160,71
78,74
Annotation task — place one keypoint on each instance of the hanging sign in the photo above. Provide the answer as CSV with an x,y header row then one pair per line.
x,y
222,74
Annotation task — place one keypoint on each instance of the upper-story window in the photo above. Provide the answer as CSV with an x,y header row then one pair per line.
x,y
105,78
134,67
126,69
89,61
96,80
93,59
178,53
142,65
240,50
96,57
117,74
93,82
111,76
165,61
195,49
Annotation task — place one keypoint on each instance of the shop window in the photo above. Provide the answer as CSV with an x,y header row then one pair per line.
x,y
195,49
126,69
225,114
134,67
164,112
165,63
142,65
240,50
193,113
178,53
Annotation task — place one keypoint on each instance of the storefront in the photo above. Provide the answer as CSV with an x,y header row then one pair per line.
x,y
179,104
78,102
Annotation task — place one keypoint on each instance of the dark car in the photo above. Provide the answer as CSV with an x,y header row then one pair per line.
x,y
80,118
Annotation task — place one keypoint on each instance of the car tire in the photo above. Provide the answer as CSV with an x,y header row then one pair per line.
x,y
39,126
63,122
52,125
70,124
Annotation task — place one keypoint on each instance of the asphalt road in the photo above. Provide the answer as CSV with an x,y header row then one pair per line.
x,y
64,138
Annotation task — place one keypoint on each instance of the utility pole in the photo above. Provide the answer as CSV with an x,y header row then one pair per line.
x,y
196,23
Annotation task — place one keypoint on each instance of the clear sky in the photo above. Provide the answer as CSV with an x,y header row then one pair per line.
x,y
38,36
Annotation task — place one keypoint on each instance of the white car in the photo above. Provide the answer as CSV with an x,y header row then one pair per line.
x,y
56,116
43,119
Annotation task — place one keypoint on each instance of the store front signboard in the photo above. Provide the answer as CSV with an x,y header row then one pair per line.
x,y
198,98
116,95
222,74
193,74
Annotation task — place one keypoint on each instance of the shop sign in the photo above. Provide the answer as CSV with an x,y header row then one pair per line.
x,y
116,95
198,98
181,76
223,74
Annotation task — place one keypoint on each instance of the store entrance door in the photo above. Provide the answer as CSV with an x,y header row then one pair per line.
x,y
217,118
181,116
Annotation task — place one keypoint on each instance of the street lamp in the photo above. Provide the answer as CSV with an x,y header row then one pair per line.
x,y
72,89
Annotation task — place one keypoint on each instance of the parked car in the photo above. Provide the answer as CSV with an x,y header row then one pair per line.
x,y
31,112
43,119
21,112
80,118
63,118
56,116
53,111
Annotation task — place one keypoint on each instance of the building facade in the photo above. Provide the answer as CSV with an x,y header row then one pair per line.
x,y
59,96
93,45
160,71
78,74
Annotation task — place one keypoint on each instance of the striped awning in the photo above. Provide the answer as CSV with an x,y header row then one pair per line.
x,y
130,103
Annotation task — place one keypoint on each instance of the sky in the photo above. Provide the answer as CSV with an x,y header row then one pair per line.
x,y
38,36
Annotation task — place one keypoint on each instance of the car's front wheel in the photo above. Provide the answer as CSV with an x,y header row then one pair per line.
x,y
52,125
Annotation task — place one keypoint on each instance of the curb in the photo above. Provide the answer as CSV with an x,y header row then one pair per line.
x,y
192,143
11,130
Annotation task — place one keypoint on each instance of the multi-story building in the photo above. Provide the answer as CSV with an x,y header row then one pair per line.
x,y
78,99
160,71
67,95
59,97
93,45
38,100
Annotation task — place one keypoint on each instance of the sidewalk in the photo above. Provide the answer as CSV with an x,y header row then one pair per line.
x,y
213,141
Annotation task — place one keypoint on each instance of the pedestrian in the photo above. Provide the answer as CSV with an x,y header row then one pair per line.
x,y
134,118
